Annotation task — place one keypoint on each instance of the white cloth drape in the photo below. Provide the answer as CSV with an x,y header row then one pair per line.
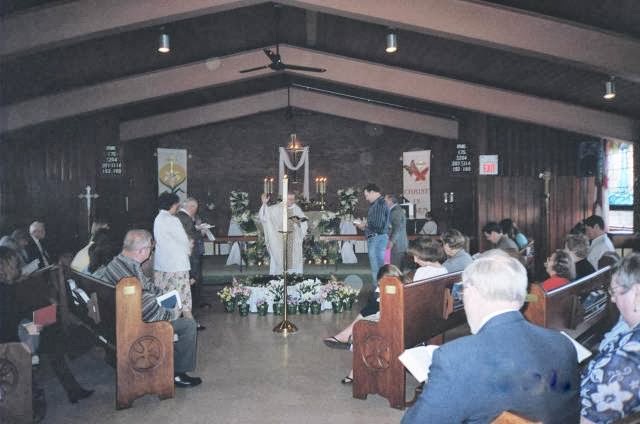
x,y
235,258
347,249
304,160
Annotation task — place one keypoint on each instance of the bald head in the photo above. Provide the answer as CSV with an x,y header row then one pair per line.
x,y
190,205
37,231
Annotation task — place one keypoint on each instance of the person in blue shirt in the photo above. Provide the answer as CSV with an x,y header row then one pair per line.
x,y
375,229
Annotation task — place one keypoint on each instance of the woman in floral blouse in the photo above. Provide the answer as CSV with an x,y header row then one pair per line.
x,y
610,388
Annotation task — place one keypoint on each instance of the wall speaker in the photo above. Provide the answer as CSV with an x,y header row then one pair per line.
x,y
590,159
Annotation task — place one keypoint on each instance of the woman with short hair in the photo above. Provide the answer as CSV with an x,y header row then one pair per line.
x,y
453,243
578,247
609,388
428,255
560,268
171,260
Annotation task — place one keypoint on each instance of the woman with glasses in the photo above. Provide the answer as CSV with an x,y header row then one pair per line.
x,y
560,268
611,383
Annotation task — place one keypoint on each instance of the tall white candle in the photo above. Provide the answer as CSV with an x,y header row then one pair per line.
x,y
285,188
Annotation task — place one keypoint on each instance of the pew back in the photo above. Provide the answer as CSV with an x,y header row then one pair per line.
x,y
581,308
410,314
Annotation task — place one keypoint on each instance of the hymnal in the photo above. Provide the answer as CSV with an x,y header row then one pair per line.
x,y
417,361
581,351
45,316
170,300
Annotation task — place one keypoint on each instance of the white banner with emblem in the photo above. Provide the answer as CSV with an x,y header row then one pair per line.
x,y
416,178
172,171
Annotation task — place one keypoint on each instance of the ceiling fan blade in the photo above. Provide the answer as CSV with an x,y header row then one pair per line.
x,y
244,71
273,57
304,68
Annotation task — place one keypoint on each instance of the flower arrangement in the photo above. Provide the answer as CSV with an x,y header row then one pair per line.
x,y
348,294
275,288
348,199
225,294
308,289
239,202
331,291
329,223
293,299
241,293
256,253
261,303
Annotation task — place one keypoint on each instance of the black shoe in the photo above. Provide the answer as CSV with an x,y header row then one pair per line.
x,y
205,305
79,394
184,380
201,327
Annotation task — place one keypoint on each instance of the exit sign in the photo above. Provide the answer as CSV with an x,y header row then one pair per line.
x,y
488,164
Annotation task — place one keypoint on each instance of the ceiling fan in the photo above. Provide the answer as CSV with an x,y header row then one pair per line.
x,y
278,65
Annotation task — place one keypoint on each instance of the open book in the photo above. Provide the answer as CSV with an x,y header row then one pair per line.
x,y
583,352
170,300
417,361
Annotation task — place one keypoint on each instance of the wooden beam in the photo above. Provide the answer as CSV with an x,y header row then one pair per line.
x,y
203,115
74,21
277,99
372,76
471,21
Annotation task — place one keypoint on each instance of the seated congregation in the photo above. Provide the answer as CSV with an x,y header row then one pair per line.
x,y
503,365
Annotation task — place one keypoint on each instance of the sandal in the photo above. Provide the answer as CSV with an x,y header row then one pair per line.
x,y
346,380
334,343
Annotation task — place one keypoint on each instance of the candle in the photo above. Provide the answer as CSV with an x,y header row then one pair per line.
x,y
265,186
285,189
317,185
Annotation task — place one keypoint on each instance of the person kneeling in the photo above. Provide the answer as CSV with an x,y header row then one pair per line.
x,y
136,249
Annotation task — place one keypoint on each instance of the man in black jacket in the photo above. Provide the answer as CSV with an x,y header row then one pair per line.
x,y
36,249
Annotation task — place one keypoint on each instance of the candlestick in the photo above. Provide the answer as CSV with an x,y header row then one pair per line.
x,y
317,185
271,185
285,189
265,186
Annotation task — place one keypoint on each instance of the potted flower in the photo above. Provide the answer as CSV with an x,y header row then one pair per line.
x,y
262,306
332,294
348,296
241,294
315,305
292,304
307,289
227,299
276,293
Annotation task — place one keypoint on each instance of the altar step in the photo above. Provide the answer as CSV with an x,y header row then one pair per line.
x,y
215,272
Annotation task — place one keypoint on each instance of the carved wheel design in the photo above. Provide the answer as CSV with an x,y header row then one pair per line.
x,y
145,353
8,378
376,353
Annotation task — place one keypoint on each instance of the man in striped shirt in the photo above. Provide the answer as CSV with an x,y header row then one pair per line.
x,y
136,249
376,229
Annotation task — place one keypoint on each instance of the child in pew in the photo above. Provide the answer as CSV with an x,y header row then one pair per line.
x,y
560,268
52,341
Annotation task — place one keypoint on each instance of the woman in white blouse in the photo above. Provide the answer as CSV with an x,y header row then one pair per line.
x,y
171,260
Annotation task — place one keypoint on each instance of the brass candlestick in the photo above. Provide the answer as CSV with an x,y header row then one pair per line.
x,y
285,326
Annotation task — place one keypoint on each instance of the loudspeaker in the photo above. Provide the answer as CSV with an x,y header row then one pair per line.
x,y
590,159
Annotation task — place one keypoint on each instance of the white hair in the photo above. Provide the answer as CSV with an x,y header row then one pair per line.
x,y
497,277
189,201
35,225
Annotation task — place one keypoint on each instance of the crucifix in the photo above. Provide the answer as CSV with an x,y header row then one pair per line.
x,y
88,196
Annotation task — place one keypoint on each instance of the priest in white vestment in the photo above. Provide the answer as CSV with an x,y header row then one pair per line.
x,y
271,218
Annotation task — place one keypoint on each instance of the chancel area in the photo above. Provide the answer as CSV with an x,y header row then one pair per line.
x,y
325,211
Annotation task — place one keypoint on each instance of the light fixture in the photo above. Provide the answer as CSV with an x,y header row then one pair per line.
x,y
392,42
164,45
609,89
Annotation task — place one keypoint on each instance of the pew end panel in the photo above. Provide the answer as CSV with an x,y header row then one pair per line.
x,y
144,350
15,384
410,315
377,368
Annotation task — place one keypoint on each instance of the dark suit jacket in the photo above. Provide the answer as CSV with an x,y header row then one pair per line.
x,y
189,225
398,234
510,364
34,253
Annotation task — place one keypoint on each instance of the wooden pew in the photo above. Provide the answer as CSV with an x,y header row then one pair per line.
x,y
34,291
143,351
410,314
564,308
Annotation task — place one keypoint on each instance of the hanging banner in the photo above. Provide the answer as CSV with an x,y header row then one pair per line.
x,y
416,178
172,171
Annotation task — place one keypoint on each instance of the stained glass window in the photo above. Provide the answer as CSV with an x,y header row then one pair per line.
x,y
620,174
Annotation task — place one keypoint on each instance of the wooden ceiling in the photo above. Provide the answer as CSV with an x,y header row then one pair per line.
x,y
125,52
